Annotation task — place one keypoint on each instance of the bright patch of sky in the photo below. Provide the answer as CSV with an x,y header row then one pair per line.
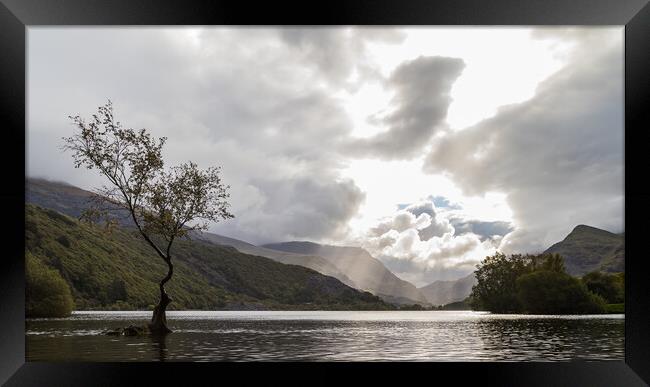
x,y
503,66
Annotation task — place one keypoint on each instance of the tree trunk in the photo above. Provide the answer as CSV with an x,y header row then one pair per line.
x,y
158,325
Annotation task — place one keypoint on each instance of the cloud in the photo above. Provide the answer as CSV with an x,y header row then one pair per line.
x,y
437,226
558,156
337,52
401,221
440,258
420,104
240,98
420,216
300,208
422,246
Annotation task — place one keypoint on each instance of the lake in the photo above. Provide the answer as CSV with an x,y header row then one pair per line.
x,y
330,336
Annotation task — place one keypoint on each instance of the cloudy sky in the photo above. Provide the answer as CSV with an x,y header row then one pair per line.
x,y
429,147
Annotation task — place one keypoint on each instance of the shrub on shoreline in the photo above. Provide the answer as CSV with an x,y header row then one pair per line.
x,y
46,292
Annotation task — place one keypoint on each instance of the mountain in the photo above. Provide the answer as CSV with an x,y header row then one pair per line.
x,y
365,270
71,201
68,199
313,262
446,292
589,248
585,249
58,196
118,270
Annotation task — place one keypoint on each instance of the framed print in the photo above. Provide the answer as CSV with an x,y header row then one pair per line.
x,y
386,189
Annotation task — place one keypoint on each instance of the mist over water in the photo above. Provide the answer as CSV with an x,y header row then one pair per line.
x,y
330,336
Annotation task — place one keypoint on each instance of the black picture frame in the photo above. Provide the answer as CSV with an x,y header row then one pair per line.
x,y
17,15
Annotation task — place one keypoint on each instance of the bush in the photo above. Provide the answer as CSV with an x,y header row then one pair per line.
x,y
550,292
615,308
46,292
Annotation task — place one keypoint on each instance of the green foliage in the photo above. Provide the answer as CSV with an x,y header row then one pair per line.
x,y
552,292
549,262
458,305
620,280
615,308
530,284
588,249
412,307
117,291
496,288
46,293
120,271
611,287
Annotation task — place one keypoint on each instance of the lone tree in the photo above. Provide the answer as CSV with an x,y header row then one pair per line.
x,y
164,204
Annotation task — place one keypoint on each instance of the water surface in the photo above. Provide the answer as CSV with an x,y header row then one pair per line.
x,y
330,336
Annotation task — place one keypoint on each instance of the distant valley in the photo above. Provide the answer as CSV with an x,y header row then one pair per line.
x,y
446,292
366,271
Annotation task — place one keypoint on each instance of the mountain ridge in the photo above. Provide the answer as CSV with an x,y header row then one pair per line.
x,y
588,248
365,270
445,292
312,262
71,200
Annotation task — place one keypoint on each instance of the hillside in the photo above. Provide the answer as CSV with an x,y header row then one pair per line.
x,y
365,270
71,201
66,199
446,292
61,197
313,262
119,271
588,248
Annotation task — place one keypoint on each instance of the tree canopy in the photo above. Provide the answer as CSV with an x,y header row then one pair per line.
x,y
611,287
552,292
165,202
531,284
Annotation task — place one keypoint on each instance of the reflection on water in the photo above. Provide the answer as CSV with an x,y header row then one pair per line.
x,y
330,336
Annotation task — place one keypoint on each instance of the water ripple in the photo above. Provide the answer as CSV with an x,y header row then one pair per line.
x,y
330,336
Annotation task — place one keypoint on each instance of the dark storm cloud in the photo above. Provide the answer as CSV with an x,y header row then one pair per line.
x,y
337,52
558,156
300,208
420,105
